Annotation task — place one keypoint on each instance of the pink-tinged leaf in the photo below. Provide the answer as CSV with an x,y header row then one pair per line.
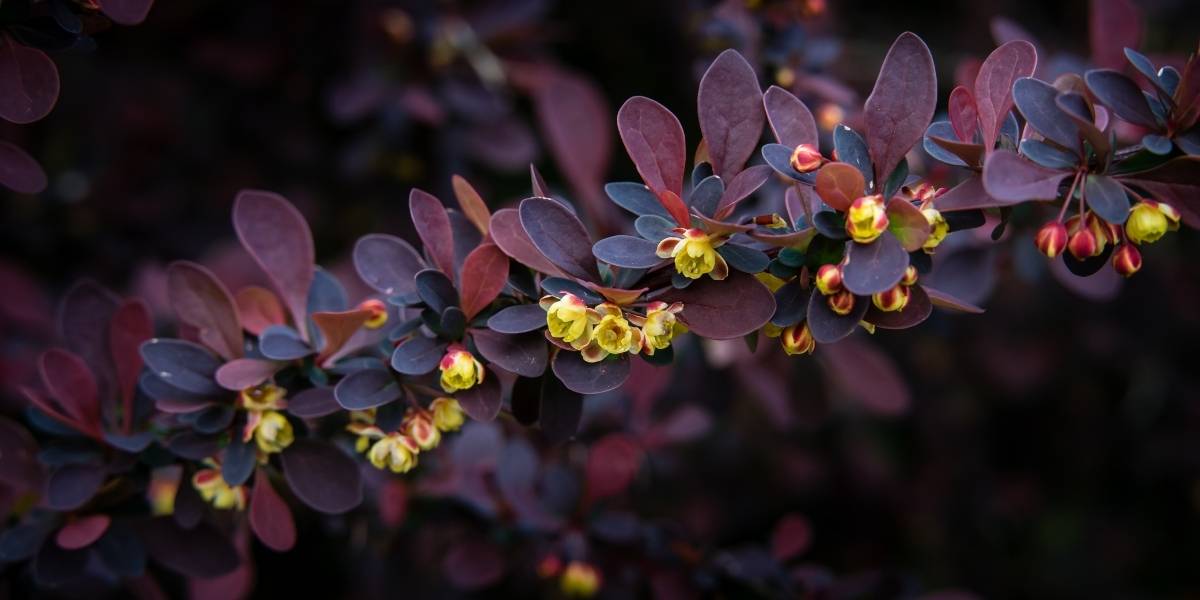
x,y
322,476
471,203
906,222
28,82
130,326
19,171
71,383
875,267
82,532
901,104
730,109
915,312
866,374
473,565
1010,179
200,300
676,207
575,120
559,236
724,309
791,537
654,140
270,517
964,117
941,299
993,86
839,184
612,465
482,401
745,183
433,226
1113,25
259,308
484,274
510,236
790,119
126,12
278,238
241,373
337,328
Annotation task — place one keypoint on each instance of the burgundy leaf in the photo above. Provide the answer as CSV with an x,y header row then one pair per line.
x,y
575,120
322,476
994,83
524,354
559,236
791,537
336,329
725,309
366,389
745,183
82,532
964,117
278,238
433,226
28,82
1113,25
131,325
654,140
126,12
241,373
1010,179
965,196
730,109
790,119
19,171
484,275
482,401
875,267
71,384
866,374
612,464
201,301
901,104
387,263
510,236
915,312
1176,182
270,517
590,378
471,203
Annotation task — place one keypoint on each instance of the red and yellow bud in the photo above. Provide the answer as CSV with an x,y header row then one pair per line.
x,y
447,414
579,580
1082,244
910,276
1101,231
797,339
695,255
893,299
273,432
569,319
806,158
866,219
841,302
1051,239
420,427
939,228
1147,222
1127,260
213,489
395,452
925,192
829,279
460,370
378,313
267,396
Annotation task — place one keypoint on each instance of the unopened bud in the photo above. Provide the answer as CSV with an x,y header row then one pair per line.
x,y
1051,239
893,299
1082,244
829,279
797,339
910,276
1127,260
806,158
866,219
842,302
379,315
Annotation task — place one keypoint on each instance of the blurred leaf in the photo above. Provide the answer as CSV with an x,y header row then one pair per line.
x,y
901,104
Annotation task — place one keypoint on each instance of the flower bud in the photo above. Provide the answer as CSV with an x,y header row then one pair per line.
x,y
211,486
866,219
273,433
1171,214
421,429
1127,260
447,414
938,227
841,303
829,279
925,192
806,158
1051,239
1100,230
1146,223
1082,243
910,276
379,315
893,299
579,580
460,370
797,339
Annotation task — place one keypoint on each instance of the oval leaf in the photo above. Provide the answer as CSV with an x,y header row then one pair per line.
x,y
71,486
1011,179
730,111
827,326
418,355
518,319
203,302
994,84
875,267
322,476
590,378
902,103
82,532
314,403
524,354
433,226
724,309
278,238
182,364
635,198
1035,100
510,236
280,342
482,401
654,140
28,82
239,374
270,517
387,263
839,184
484,274
627,251
559,236
19,171
1107,198
791,121
366,389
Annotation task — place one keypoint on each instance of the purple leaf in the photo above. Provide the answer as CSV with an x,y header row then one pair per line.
x,y
901,104
182,364
941,299
866,374
1036,101
654,140
28,82
433,226
523,354
19,171
259,308
241,373
559,236
510,236
966,196
366,389
1107,198
484,275
590,378
130,326
963,115
915,312
627,251
1112,26
724,309
238,460
1123,96
827,326
1176,182
473,565
730,109
322,476
313,403
745,183
994,84
71,384
875,267
126,12
278,238
201,301
82,532
482,401
790,119
471,203
1010,179
84,318
270,517
280,342
71,486
518,319
197,552
418,355
387,263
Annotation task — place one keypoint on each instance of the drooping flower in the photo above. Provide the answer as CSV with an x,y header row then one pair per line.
x,y
460,370
396,452
660,325
420,427
569,319
1148,222
447,414
1127,260
214,490
273,433
1051,239
797,339
695,255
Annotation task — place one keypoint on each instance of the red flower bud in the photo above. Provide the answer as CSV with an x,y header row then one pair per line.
x,y
910,276
1082,244
893,299
379,315
1051,239
806,158
1127,260
829,279
842,302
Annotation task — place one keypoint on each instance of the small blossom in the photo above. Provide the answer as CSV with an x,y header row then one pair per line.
x,y
1051,239
660,325
866,219
395,452
1082,243
806,158
829,279
460,370
695,255
273,433
1147,222
379,314
213,489
910,276
797,339
1127,260
569,319
420,427
613,335
447,414
938,228
579,580
842,302
267,396
893,299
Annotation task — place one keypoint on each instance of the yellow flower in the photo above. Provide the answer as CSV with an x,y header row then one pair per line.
x,y
798,339
938,227
1147,223
396,452
267,396
613,335
660,325
421,429
460,370
866,219
273,433
569,319
447,414
579,580
695,255
212,488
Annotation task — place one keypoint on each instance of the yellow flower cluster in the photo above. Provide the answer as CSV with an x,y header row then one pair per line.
x,y
265,424
421,430
213,488
608,329
460,370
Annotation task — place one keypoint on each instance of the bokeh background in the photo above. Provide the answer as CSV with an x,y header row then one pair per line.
x,y
1045,449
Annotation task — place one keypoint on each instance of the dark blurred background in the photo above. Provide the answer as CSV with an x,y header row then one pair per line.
x,y
1045,449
